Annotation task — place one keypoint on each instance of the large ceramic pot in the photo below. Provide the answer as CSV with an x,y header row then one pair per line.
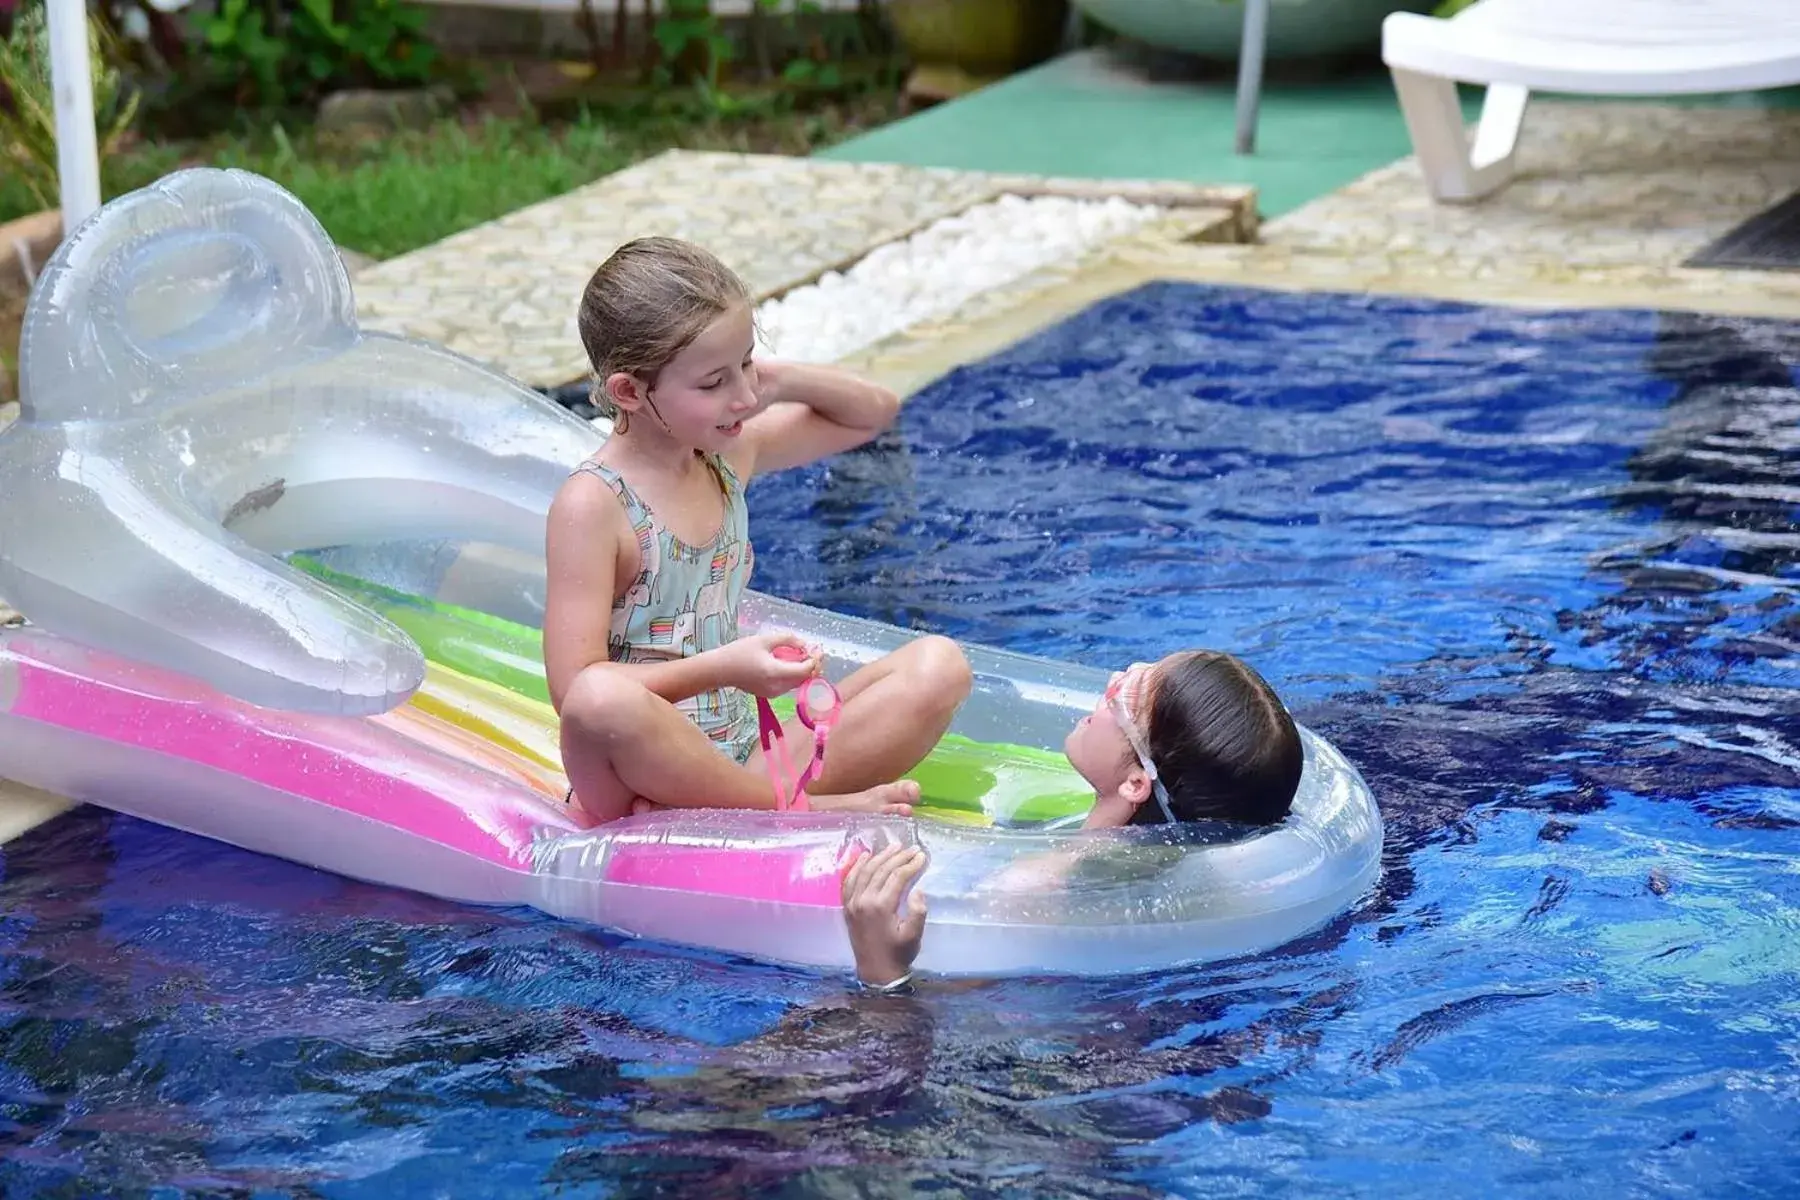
x,y
1213,28
982,38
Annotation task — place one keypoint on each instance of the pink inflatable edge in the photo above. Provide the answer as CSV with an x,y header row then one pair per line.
x,y
338,762
810,876
360,767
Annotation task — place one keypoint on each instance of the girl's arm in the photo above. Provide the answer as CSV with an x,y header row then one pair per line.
x,y
810,412
581,551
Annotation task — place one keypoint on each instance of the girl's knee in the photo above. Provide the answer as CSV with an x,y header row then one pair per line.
x,y
943,668
602,702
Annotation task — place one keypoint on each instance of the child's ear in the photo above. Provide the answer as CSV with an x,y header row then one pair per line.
x,y
1135,789
625,391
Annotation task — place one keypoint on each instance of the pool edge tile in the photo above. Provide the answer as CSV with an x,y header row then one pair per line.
x,y
23,809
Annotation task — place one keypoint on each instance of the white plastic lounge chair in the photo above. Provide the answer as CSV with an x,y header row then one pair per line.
x,y
1585,47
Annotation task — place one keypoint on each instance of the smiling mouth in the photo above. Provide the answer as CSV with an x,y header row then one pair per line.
x,y
731,430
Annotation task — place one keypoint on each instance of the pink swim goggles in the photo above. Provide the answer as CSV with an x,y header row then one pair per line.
x,y
817,704
1123,702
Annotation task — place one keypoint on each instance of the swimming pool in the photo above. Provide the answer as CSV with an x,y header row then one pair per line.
x,y
1531,570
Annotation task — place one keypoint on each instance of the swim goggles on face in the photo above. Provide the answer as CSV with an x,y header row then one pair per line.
x,y
817,704
1120,702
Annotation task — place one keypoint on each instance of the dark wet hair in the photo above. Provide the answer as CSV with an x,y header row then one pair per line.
x,y
1223,744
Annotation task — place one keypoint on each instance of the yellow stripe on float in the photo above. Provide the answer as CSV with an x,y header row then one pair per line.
x,y
526,727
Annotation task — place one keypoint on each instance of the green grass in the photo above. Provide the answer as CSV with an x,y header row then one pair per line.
x,y
389,196
384,196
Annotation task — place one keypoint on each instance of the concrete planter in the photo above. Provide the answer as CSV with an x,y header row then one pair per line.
x,y
26,245
963,44
1213,28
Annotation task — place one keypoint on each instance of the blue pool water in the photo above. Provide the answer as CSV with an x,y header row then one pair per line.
x,y
1533,571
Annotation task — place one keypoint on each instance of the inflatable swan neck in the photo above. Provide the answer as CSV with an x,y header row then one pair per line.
x,y
179,289
198,398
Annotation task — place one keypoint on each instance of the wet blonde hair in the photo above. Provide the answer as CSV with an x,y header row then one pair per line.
x,y
646,304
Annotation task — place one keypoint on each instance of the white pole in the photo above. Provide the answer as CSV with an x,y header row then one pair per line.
x,y
77,152
1250,72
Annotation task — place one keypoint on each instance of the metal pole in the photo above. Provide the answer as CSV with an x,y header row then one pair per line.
x,y
1250,70
77,150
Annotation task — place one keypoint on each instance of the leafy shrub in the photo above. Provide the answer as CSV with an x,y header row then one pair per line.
x,y
286,52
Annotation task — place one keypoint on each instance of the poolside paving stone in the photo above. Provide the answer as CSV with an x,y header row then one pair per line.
x,y
1611,199
505,293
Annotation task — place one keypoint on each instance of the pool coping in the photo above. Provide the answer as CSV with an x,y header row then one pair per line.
x,y
918,355
23,808
505,293
1608,207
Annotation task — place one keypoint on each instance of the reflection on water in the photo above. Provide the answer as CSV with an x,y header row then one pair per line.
x,y
1530,570
1724,468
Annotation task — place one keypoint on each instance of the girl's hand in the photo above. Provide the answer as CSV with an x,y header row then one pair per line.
x,y
885,938
765,381
757,665
765,384
1032,874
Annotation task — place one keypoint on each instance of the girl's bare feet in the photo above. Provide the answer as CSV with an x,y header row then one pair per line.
x,y
890,799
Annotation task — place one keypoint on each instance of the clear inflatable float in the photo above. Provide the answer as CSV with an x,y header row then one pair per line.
x,y
284,578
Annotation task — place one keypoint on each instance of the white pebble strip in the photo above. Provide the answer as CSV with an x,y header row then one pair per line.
x,y
937,270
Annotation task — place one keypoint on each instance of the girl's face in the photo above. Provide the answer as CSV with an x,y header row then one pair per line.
x,y
705,393
1100,746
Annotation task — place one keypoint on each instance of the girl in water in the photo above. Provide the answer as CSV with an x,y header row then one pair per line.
x,y
1198,735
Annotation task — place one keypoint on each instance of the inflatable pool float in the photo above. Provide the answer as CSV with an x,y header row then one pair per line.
x,y
284,573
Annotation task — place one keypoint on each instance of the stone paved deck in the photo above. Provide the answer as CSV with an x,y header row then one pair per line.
x,y
506,292
1611,200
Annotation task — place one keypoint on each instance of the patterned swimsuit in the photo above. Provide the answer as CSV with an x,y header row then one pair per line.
x,y
685,601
